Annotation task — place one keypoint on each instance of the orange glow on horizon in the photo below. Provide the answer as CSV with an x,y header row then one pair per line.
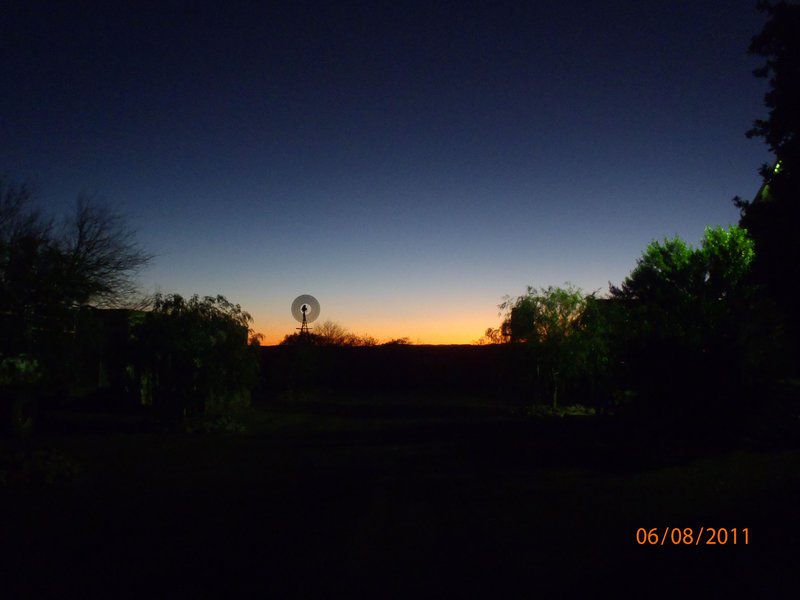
x,y
458,329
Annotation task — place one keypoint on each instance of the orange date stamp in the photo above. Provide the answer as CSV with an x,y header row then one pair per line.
x,y
693,536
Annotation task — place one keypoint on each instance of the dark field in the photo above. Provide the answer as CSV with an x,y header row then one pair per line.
x,y
387,496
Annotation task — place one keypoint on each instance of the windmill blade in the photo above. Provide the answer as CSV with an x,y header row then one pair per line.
x,y
312,308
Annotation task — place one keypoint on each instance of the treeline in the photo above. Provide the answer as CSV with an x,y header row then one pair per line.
x,y
688,333
74,326
690,330
330,333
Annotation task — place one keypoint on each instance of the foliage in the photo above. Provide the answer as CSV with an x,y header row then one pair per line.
x,y
779,44
695,331
772,217
19,370
544,315
560,325
37,468
295,339
576,410
492,335
46,269
198,356
333,334
19,377
403,341
330,333
49,272
222,423
101,256
681,288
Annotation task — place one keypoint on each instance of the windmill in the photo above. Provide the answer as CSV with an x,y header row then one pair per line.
x,y
305,309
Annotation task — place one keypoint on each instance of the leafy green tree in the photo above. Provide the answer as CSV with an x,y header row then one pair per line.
x,y
548,322
696,332
680,289
196,356
596,352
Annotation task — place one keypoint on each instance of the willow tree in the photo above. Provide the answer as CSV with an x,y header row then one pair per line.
x,y
547,321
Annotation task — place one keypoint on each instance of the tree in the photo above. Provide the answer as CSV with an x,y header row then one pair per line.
x,y
779,44
696,332
403,341
46,273
330,333
197,356
772,217
101,256
492,335
681,292
30,263
547,321
543,314
672,278
47,270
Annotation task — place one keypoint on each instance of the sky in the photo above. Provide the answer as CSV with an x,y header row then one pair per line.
x,y
409,164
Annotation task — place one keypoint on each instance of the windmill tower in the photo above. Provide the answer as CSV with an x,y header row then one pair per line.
x,y
305,310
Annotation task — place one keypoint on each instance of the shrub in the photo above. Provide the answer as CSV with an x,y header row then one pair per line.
x,y
37,468
20,376
196,357
539,411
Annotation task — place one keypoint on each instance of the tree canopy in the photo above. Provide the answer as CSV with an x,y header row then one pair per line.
x,y
553,323
695,330
197,354
45,267
330,333
772,217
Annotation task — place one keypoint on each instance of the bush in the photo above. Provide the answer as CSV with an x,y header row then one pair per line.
x,y
19,379
540,411
227,423
19,370
37,468
196,357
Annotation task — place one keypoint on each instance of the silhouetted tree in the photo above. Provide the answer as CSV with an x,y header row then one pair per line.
x,y
101,256
293,339
772,217
548,321
330,333
31,264
45,270
403,341
48,272
492,335
196,356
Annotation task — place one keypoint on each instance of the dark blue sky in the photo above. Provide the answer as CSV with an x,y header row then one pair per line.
x,y
407,163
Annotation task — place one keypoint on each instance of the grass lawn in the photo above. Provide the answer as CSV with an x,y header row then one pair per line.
x,y
388,497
